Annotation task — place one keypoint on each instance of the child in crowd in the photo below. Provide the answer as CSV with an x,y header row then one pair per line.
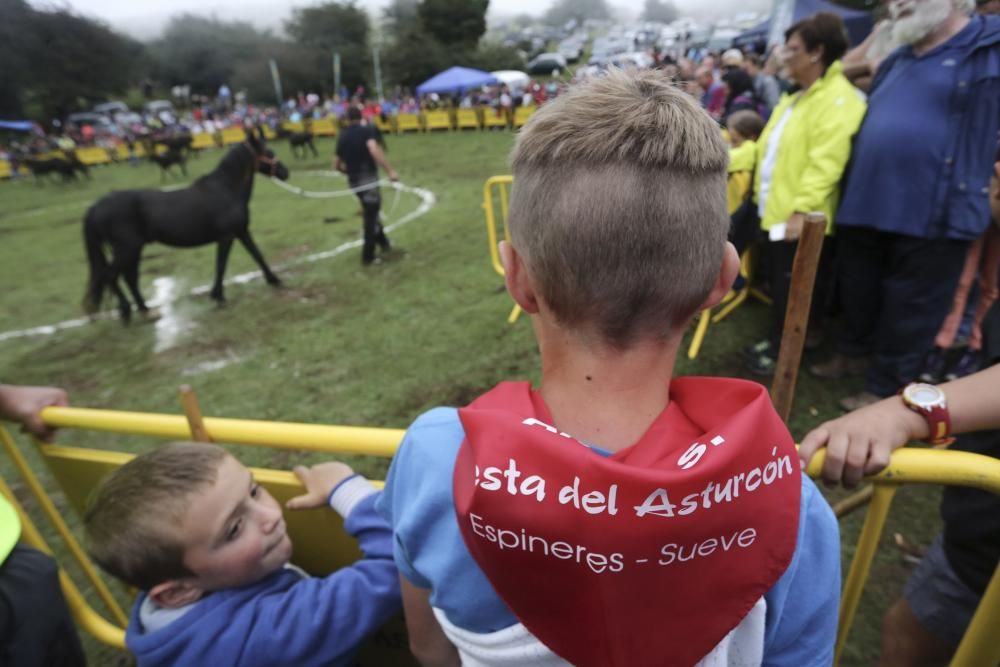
x,y
187,525
744,129
614,516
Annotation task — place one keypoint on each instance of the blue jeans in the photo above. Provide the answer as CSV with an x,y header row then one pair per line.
x,y
894,292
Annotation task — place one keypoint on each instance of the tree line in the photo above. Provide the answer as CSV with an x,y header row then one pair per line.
x,y
57,62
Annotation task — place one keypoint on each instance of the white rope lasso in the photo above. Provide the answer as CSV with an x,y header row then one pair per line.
x,y
330,194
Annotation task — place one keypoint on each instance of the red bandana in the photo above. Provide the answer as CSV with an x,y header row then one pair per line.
x,y
649,556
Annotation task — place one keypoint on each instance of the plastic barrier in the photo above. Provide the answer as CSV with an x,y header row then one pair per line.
x,y
495,118
296,126
91,155
324,127
408,122
522,114
204,140
436,120
384,125
467,119
321,546
233,135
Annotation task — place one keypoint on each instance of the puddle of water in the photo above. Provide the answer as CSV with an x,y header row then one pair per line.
x,y
171,324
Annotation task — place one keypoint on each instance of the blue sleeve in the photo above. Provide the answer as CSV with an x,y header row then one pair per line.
x,y
323,620
801,627
413,495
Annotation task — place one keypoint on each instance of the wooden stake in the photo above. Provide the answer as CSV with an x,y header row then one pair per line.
x,y
193,413
800,293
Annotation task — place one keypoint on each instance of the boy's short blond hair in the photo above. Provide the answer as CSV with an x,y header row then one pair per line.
x,y
619,205
132,520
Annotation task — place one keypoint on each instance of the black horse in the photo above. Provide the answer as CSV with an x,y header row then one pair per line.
x,y
66,167
169,159
214,209
299,141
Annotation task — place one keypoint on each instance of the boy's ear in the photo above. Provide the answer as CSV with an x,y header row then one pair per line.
x,y
727,276
175,593
517,279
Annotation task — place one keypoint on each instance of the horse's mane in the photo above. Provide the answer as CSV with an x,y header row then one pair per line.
x,y
233,166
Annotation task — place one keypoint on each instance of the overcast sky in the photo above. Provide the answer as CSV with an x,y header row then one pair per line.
x,y
145,18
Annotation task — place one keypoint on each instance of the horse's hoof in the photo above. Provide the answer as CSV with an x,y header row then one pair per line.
x,y
275,282
150,315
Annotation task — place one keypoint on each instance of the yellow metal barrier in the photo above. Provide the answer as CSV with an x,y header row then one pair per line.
x,y
923,466
733,300
496,192
89,621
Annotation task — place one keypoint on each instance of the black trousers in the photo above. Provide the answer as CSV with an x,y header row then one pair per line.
x,y
36,629
780,259
894,292
371,205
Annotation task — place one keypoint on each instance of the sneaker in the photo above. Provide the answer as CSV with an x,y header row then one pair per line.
x,y
372,262
934,366
858,401
839,366
967,364
751,352
762,364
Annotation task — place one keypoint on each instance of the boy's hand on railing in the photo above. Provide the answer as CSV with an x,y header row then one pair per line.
x,y
860,442
24,405
320,480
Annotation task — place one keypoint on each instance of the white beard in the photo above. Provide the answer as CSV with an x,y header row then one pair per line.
x,y
927,15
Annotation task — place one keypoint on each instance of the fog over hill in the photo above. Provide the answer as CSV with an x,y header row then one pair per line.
x,y
145,20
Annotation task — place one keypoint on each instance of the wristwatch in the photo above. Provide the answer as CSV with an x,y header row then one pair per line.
x,y
928,401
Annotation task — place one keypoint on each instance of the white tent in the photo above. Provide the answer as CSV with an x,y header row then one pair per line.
x,y
513,79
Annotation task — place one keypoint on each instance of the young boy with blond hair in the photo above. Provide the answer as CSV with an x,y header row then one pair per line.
x,y
614,516
189,526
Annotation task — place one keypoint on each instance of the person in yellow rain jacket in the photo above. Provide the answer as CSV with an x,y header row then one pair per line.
x,y
801,156
35,624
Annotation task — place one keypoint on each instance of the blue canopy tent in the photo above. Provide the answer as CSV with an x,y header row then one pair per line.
x,y
858,23
456,80
17,125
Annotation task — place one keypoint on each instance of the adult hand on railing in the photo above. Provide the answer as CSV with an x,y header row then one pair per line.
x,y
860,442
320,480
24,405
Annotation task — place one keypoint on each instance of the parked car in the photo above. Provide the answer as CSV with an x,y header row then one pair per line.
x,y
95,120
111,109
546,63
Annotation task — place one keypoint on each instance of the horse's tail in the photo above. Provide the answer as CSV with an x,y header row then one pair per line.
x,y
98,263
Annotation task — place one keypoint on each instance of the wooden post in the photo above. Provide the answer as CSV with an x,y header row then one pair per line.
x,y
193,413
800,292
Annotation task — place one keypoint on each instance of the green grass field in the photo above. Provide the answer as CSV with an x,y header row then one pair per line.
x,y
339,344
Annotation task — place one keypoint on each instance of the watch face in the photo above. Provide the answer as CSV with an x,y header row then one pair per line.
x,y
924,395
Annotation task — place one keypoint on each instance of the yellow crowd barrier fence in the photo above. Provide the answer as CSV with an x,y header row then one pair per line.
x,y
322,547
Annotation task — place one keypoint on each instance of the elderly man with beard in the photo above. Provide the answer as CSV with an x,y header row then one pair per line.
x,y
917,190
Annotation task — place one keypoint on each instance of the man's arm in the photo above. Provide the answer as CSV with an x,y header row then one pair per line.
x,y
376,152
428,643
24,405
860,442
